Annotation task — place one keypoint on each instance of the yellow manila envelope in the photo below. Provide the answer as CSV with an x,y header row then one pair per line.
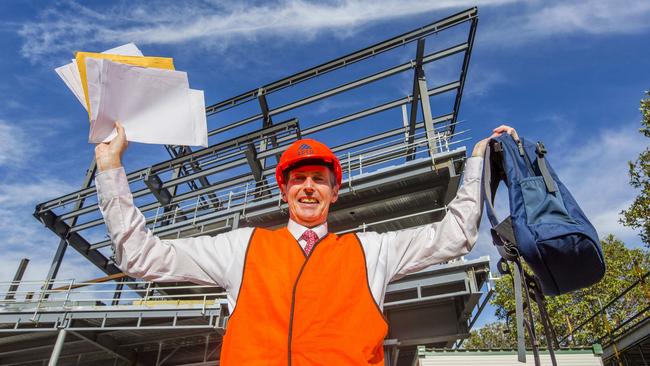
x,y
142,61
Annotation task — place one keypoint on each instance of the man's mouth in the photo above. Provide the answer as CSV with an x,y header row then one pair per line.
x,y
309,200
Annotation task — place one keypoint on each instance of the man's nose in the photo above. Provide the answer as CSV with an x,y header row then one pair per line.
x,y
309,184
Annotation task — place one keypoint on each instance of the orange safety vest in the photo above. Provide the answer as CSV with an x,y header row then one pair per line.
x,y
302,310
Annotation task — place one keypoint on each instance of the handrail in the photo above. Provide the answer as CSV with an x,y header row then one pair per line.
x,y
603,308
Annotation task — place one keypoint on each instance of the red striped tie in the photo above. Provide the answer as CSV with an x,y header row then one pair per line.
x,y
311,238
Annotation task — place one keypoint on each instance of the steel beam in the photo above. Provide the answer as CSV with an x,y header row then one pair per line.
x,y
17,277
415,95
193,166
155,185
426,112
108,344
463,74
58,226
346,60
345,87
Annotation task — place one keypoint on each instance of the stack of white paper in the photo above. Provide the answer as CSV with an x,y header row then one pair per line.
x,y
154,105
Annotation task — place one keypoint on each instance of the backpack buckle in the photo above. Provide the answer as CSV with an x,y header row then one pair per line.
x,y
497,146
541,149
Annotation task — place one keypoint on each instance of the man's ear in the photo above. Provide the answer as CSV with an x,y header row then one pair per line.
x,y
283,192
335,193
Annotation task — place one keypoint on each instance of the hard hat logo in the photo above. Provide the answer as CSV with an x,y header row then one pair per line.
x,y
305,149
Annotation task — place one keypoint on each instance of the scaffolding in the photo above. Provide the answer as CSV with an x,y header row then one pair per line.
x,y
402,156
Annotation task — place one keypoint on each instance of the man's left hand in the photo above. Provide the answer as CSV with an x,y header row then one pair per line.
x,y
479,148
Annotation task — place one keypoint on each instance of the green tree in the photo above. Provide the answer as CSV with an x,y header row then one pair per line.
x,y
624,267
638,214
491,336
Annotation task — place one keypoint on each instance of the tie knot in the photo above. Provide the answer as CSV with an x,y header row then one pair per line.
x,y
310,237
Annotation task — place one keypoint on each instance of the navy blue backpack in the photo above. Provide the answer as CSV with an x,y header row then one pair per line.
x,y
546,227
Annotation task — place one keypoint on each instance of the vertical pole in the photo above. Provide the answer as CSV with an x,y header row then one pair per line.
x,y
426,112
63,244
159,353
205,350
642,357
118,292
58,346
417,67
521,342
19,276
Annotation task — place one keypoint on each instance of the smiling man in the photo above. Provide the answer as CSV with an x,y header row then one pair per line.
x,y
298,295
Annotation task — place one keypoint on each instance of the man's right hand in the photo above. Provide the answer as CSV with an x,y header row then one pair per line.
x,y
108,155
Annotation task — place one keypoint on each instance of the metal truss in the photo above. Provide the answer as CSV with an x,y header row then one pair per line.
x,y
215,189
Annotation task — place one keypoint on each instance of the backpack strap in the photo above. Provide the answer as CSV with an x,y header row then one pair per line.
x,y
519,311
543,169
536,294
502,232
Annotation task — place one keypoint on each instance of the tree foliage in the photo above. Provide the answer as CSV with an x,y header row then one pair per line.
x,y
567,312
491,336
637,215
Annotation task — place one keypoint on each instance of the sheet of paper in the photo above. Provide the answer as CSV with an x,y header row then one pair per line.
x,y
69,73
143,61
65,72
154,105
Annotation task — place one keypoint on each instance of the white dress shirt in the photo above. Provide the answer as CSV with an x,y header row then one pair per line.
x,y
219,260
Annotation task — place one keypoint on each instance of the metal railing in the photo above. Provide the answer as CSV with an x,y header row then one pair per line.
x,y
68,294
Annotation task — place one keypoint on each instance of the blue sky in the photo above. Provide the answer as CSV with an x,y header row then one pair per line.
x,y
568,73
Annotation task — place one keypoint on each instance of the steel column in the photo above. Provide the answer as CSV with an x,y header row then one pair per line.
x,y
463,74
426,112
415,95
19,276
58,346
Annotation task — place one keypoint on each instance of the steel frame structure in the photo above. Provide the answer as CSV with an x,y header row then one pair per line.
x,y
201,169
399,173
83,323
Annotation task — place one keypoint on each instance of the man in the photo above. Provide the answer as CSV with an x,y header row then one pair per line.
x,y
298,295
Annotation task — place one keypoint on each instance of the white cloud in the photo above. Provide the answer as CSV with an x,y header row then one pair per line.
x,y
70,26
13,147
596,173
481,81
22,186
24,237
539,19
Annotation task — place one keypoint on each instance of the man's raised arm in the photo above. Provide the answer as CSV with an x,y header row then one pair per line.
x,y
406,251
139,253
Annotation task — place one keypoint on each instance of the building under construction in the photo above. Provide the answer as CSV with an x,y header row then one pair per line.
x,y
402,158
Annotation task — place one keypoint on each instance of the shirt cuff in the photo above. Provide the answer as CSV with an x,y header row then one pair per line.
x,y
473,168
112,183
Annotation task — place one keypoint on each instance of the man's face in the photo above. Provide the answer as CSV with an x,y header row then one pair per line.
x,y
309,192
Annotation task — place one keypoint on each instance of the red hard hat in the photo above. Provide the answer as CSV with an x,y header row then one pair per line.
x,y
307,150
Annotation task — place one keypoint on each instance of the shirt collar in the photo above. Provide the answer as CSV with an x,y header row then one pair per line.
x,y
297,230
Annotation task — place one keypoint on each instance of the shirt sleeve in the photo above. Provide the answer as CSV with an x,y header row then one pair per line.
x,y
394,254
140,254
